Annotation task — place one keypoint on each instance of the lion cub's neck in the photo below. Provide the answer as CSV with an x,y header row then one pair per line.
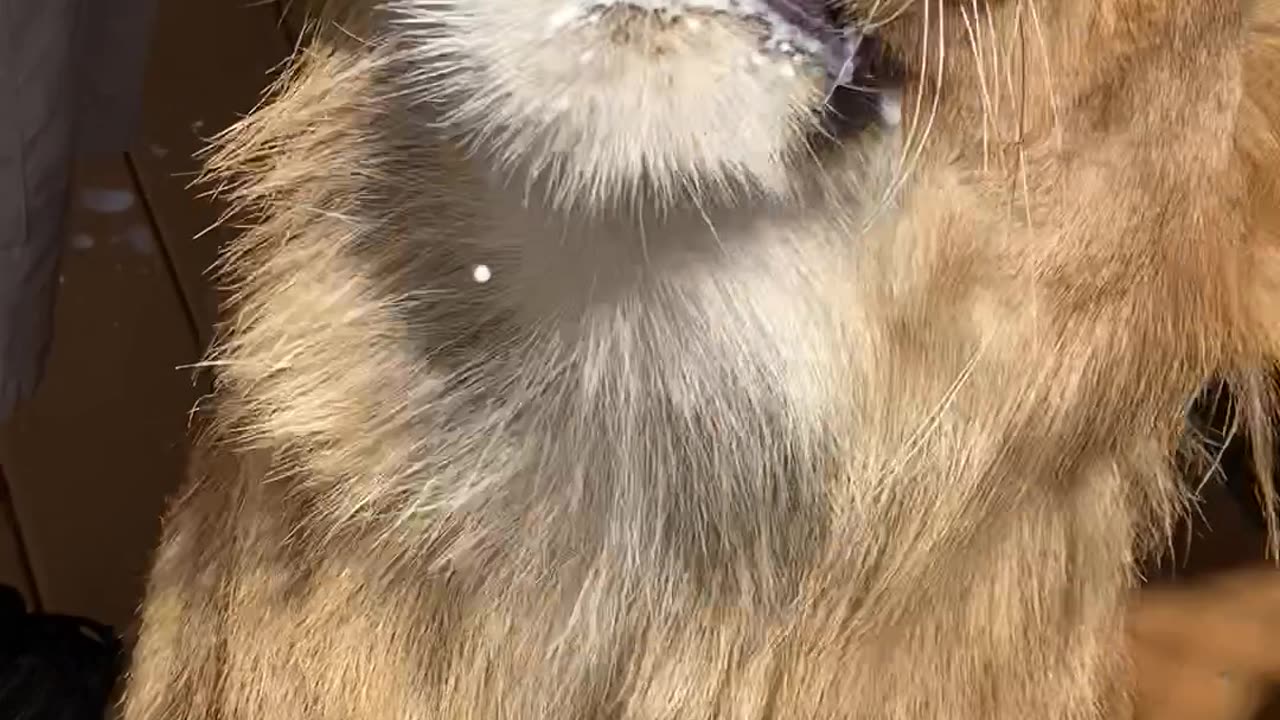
x,y
696,299
675,377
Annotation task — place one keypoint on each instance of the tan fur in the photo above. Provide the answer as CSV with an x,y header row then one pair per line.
x,y
741,427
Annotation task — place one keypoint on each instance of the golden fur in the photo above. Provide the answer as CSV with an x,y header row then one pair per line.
x,y
743,425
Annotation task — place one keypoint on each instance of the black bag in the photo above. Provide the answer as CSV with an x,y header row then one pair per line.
x,y
54,667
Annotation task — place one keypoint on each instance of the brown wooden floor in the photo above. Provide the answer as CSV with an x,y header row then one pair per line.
x,y
89,463
85,469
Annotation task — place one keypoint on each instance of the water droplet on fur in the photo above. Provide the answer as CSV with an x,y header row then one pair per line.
x,y
562,17
891,109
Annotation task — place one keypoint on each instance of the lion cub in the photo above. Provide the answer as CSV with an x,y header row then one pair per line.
x,y
717,358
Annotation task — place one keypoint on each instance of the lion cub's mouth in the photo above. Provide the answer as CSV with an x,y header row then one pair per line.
x,y
811,34
806,27
802,31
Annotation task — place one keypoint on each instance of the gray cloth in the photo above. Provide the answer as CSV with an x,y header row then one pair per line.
x,y
70,82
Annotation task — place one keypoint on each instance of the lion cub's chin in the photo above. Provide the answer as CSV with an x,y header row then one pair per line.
x,y
602,100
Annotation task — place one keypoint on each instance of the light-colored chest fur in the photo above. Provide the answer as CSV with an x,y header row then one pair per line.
x,y
694,302
671,383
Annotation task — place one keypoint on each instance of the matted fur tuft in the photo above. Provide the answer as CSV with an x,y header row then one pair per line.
x,y
885,443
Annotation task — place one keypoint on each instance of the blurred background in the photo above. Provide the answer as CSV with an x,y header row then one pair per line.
x,y
88,462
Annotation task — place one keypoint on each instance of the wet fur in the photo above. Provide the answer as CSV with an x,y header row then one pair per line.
x,y
778,430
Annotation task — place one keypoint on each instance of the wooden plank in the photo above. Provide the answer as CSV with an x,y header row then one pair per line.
x,y
93,456
210,63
